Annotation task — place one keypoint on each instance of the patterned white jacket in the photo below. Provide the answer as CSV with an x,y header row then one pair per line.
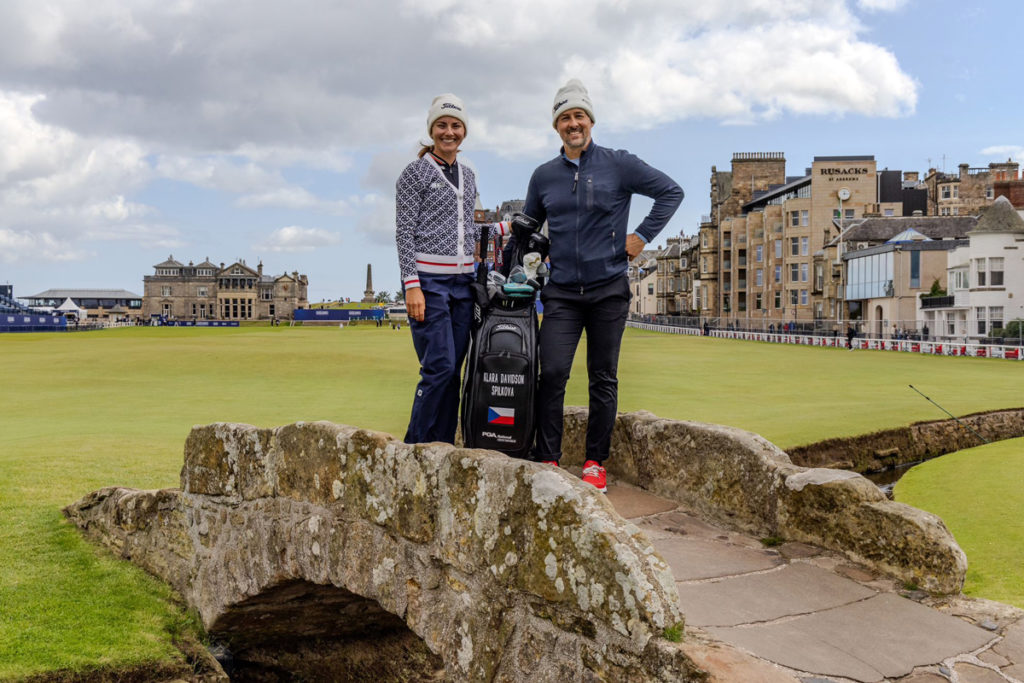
x,y
434,227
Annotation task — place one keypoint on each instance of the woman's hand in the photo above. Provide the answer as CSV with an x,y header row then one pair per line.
x,y
415,304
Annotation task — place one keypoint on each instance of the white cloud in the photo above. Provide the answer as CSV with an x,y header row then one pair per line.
x,y
205,78
98,100
882,5
14,244
294,238
1005,152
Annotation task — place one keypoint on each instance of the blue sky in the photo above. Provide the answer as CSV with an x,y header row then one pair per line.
x,y
274,131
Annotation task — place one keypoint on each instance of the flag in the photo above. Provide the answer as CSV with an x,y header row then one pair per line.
x,y
501,416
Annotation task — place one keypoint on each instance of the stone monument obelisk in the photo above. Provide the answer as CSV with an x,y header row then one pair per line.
x,y
368,297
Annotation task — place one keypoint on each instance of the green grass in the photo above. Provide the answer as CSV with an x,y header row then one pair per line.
x,y
87,410
979,494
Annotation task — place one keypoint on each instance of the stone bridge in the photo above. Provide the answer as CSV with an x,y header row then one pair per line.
x,y
320,545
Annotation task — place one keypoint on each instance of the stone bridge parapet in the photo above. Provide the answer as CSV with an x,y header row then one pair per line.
x,y
742,480
506,570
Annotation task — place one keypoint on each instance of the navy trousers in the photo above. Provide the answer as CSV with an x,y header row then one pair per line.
x,y
441,341
601,313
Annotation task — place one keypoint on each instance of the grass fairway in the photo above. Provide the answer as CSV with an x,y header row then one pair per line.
x,y
82,411
979,493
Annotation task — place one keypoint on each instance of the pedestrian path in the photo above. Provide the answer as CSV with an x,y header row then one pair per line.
x,y
794,612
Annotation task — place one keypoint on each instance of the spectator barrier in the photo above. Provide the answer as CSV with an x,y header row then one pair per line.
x,y
338,314
21,322
936,347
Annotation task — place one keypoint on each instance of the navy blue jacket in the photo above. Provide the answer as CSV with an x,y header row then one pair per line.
x,y
587,210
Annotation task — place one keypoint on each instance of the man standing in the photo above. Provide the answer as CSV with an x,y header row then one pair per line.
x,y
584,194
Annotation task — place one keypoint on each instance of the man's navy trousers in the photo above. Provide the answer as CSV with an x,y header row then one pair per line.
x,y
441,341
569,311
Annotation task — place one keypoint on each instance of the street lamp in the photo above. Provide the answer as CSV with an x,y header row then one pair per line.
x,y
843,195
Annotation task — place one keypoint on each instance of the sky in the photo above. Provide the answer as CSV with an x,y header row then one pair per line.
x,y
274,132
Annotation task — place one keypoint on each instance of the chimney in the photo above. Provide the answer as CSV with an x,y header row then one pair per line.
x,y
911,177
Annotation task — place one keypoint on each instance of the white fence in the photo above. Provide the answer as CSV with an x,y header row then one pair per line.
x,y
937,348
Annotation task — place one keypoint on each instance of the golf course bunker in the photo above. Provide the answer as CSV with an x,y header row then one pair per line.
x,y
312,535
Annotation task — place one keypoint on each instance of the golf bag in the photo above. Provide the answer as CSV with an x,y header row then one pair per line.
x,y
502,369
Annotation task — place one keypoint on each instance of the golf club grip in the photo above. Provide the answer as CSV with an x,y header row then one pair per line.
x,y
485,236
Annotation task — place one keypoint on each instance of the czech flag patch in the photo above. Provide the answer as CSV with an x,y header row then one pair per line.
x,y
501,416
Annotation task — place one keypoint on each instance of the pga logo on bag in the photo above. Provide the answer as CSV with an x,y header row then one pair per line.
x,y
501,416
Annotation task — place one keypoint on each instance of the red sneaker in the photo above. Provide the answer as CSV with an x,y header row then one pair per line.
x,y
553,463
594,475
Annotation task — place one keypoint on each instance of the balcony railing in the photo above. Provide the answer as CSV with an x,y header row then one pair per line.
x,y
938,301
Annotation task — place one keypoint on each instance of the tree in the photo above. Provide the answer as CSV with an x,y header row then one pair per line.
x,y
382,297
399,295
936,289
1013,330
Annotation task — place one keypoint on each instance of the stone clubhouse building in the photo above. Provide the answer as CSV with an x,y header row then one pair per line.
x,y
221,292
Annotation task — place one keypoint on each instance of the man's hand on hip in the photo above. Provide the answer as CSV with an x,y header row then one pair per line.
x,y
634,245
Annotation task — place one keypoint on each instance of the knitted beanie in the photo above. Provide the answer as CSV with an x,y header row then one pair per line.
x,y
572,95
446,105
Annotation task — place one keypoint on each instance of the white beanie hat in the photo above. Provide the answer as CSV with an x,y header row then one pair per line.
x,y
446,104
572,95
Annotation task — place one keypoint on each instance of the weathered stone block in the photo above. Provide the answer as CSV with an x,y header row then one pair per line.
x,y
469,549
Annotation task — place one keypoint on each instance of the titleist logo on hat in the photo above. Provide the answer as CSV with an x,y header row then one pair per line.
x,y
558,104
449,105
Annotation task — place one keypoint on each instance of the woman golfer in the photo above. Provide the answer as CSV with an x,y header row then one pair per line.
x,y
436,238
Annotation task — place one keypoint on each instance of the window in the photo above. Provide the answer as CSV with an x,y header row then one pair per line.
x,y
778,248
989,194
803,272
759,253
979,266
272,311
995,272
794,272
956,192
995,317
819,276
805,246
201,291
778,273
794,218
979,313
803,297
195,310
650,288
165,291
889,212
759,278
267,295
794,246
805,218
915,270
848,214
778,299
793,296
704,240
704,264
945,192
